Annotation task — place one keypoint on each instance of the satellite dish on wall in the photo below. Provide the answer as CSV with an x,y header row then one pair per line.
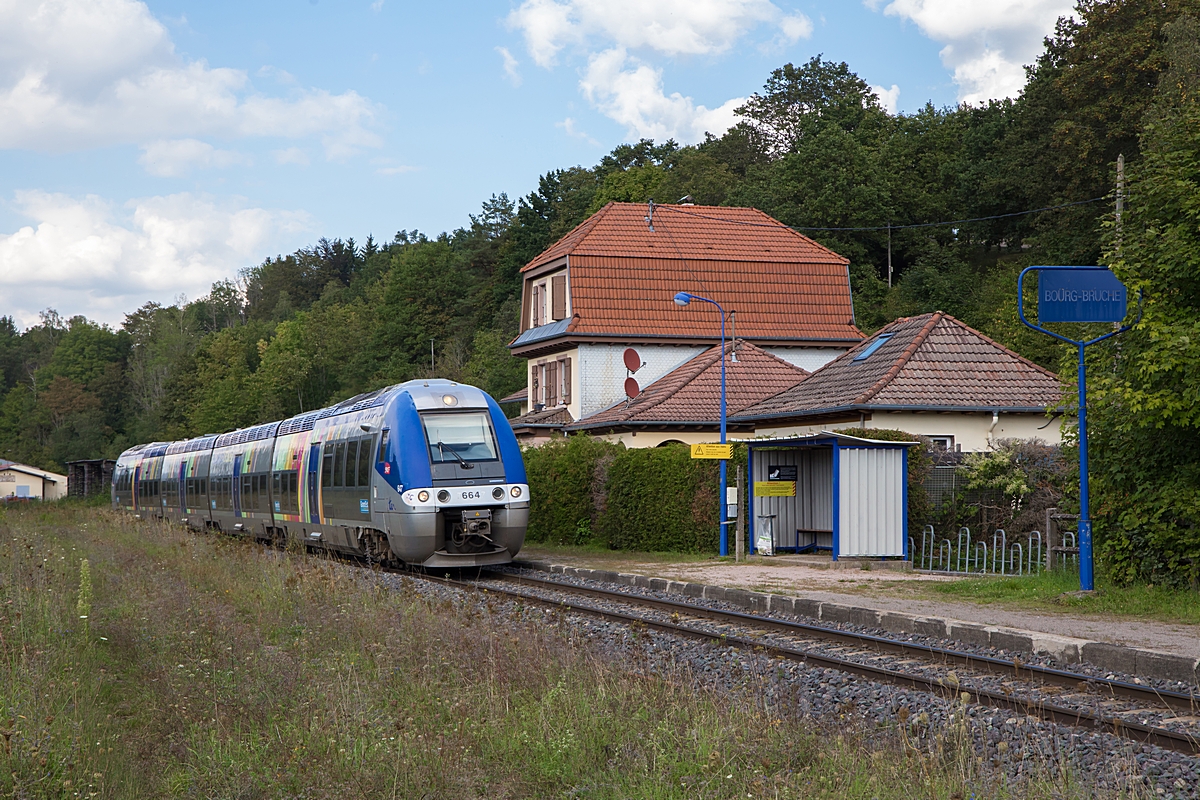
x,y
633,362
632,389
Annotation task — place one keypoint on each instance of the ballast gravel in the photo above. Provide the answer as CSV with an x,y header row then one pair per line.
x,y
1012,745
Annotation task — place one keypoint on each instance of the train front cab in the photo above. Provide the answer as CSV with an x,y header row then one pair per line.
x,y
451,481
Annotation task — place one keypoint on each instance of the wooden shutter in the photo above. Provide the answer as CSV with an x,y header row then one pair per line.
x,y
566,380
552,384
558,296
537,305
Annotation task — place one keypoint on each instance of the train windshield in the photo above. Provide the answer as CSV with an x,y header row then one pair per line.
x,y
459,437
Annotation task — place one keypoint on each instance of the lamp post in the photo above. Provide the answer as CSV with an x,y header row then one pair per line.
x,y
682,299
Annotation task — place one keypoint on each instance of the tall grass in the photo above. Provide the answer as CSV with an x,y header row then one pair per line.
x,y
211,667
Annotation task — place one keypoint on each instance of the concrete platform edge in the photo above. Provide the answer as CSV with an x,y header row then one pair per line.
x,y
1063,649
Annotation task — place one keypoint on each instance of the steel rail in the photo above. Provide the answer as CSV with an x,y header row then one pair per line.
x,y
1161,737
1187,703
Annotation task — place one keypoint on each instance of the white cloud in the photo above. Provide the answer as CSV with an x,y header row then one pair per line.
x,y
510,66
669,27
572,129
619,37
388,166
291,155
631,93
888,98
76,75
171,158
987,45
377,6
83,256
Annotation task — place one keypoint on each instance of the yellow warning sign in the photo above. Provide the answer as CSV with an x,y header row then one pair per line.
x,y
774,488
712,451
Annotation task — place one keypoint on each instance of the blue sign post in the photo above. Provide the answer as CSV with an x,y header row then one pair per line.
x,y
1078,294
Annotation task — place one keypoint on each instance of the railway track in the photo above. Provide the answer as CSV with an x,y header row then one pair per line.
x,y
1053,695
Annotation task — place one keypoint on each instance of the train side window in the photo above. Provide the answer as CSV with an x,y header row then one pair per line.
x,y
339,464
364,462
294,482
383,446
327,467
275,489
352,463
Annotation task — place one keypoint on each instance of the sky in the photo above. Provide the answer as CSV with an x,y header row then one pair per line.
x,y
148,149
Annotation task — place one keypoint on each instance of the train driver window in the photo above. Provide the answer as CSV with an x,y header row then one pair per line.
x,y
383,446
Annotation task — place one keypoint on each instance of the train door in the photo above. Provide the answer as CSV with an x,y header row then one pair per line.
x,y
183,504
314,466
237,484
135,493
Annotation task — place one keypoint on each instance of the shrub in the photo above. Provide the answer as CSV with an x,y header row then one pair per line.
x,y
563,488
660,498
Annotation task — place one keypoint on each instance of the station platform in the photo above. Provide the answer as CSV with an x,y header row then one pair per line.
x,y
873,594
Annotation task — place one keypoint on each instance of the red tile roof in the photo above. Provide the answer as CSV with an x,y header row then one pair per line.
x,y
623,276
520,395
546,418
692,392
931,361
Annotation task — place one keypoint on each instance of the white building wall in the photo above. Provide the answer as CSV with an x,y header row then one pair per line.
x,y
18,483
602,371
809,359
972,432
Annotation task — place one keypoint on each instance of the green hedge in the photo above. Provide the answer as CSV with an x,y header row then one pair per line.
x,y
585,491
588,491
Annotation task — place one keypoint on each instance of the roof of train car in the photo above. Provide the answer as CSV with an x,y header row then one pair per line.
x,y
192,445
301,422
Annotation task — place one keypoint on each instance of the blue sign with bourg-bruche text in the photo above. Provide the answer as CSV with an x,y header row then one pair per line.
x,y
1080,294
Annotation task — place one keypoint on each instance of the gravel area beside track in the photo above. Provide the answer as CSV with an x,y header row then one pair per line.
x,y
1084,669
1015,746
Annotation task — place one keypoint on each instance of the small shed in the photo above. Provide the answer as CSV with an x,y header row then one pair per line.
x,y
90,476
829,491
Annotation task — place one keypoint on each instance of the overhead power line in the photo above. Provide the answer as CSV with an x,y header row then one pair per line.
x,y
885,227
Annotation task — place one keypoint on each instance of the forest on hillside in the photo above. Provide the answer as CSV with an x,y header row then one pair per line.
x,y
815,149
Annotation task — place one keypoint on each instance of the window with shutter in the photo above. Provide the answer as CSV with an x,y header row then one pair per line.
x,y
552,384
565,369
558,296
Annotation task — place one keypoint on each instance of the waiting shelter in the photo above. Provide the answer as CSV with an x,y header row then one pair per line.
x,y
829,491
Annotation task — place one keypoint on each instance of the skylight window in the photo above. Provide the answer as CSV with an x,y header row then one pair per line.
x,y
872,347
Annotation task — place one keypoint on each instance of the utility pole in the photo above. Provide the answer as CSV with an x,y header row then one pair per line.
x,y
889,255
1120,196
431,369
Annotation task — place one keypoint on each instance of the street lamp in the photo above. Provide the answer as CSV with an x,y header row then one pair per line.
x,y
682,299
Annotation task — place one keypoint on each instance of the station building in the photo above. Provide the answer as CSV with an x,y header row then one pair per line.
x,y
797,365
608,286
19,481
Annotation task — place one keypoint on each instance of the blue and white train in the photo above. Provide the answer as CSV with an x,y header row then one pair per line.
x,y
427,472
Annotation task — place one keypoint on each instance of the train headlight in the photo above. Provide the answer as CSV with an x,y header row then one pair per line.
x,y
498,493
443,496
423,496
450,400
515,491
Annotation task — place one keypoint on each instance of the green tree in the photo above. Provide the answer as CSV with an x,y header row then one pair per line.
x,y
1146,384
